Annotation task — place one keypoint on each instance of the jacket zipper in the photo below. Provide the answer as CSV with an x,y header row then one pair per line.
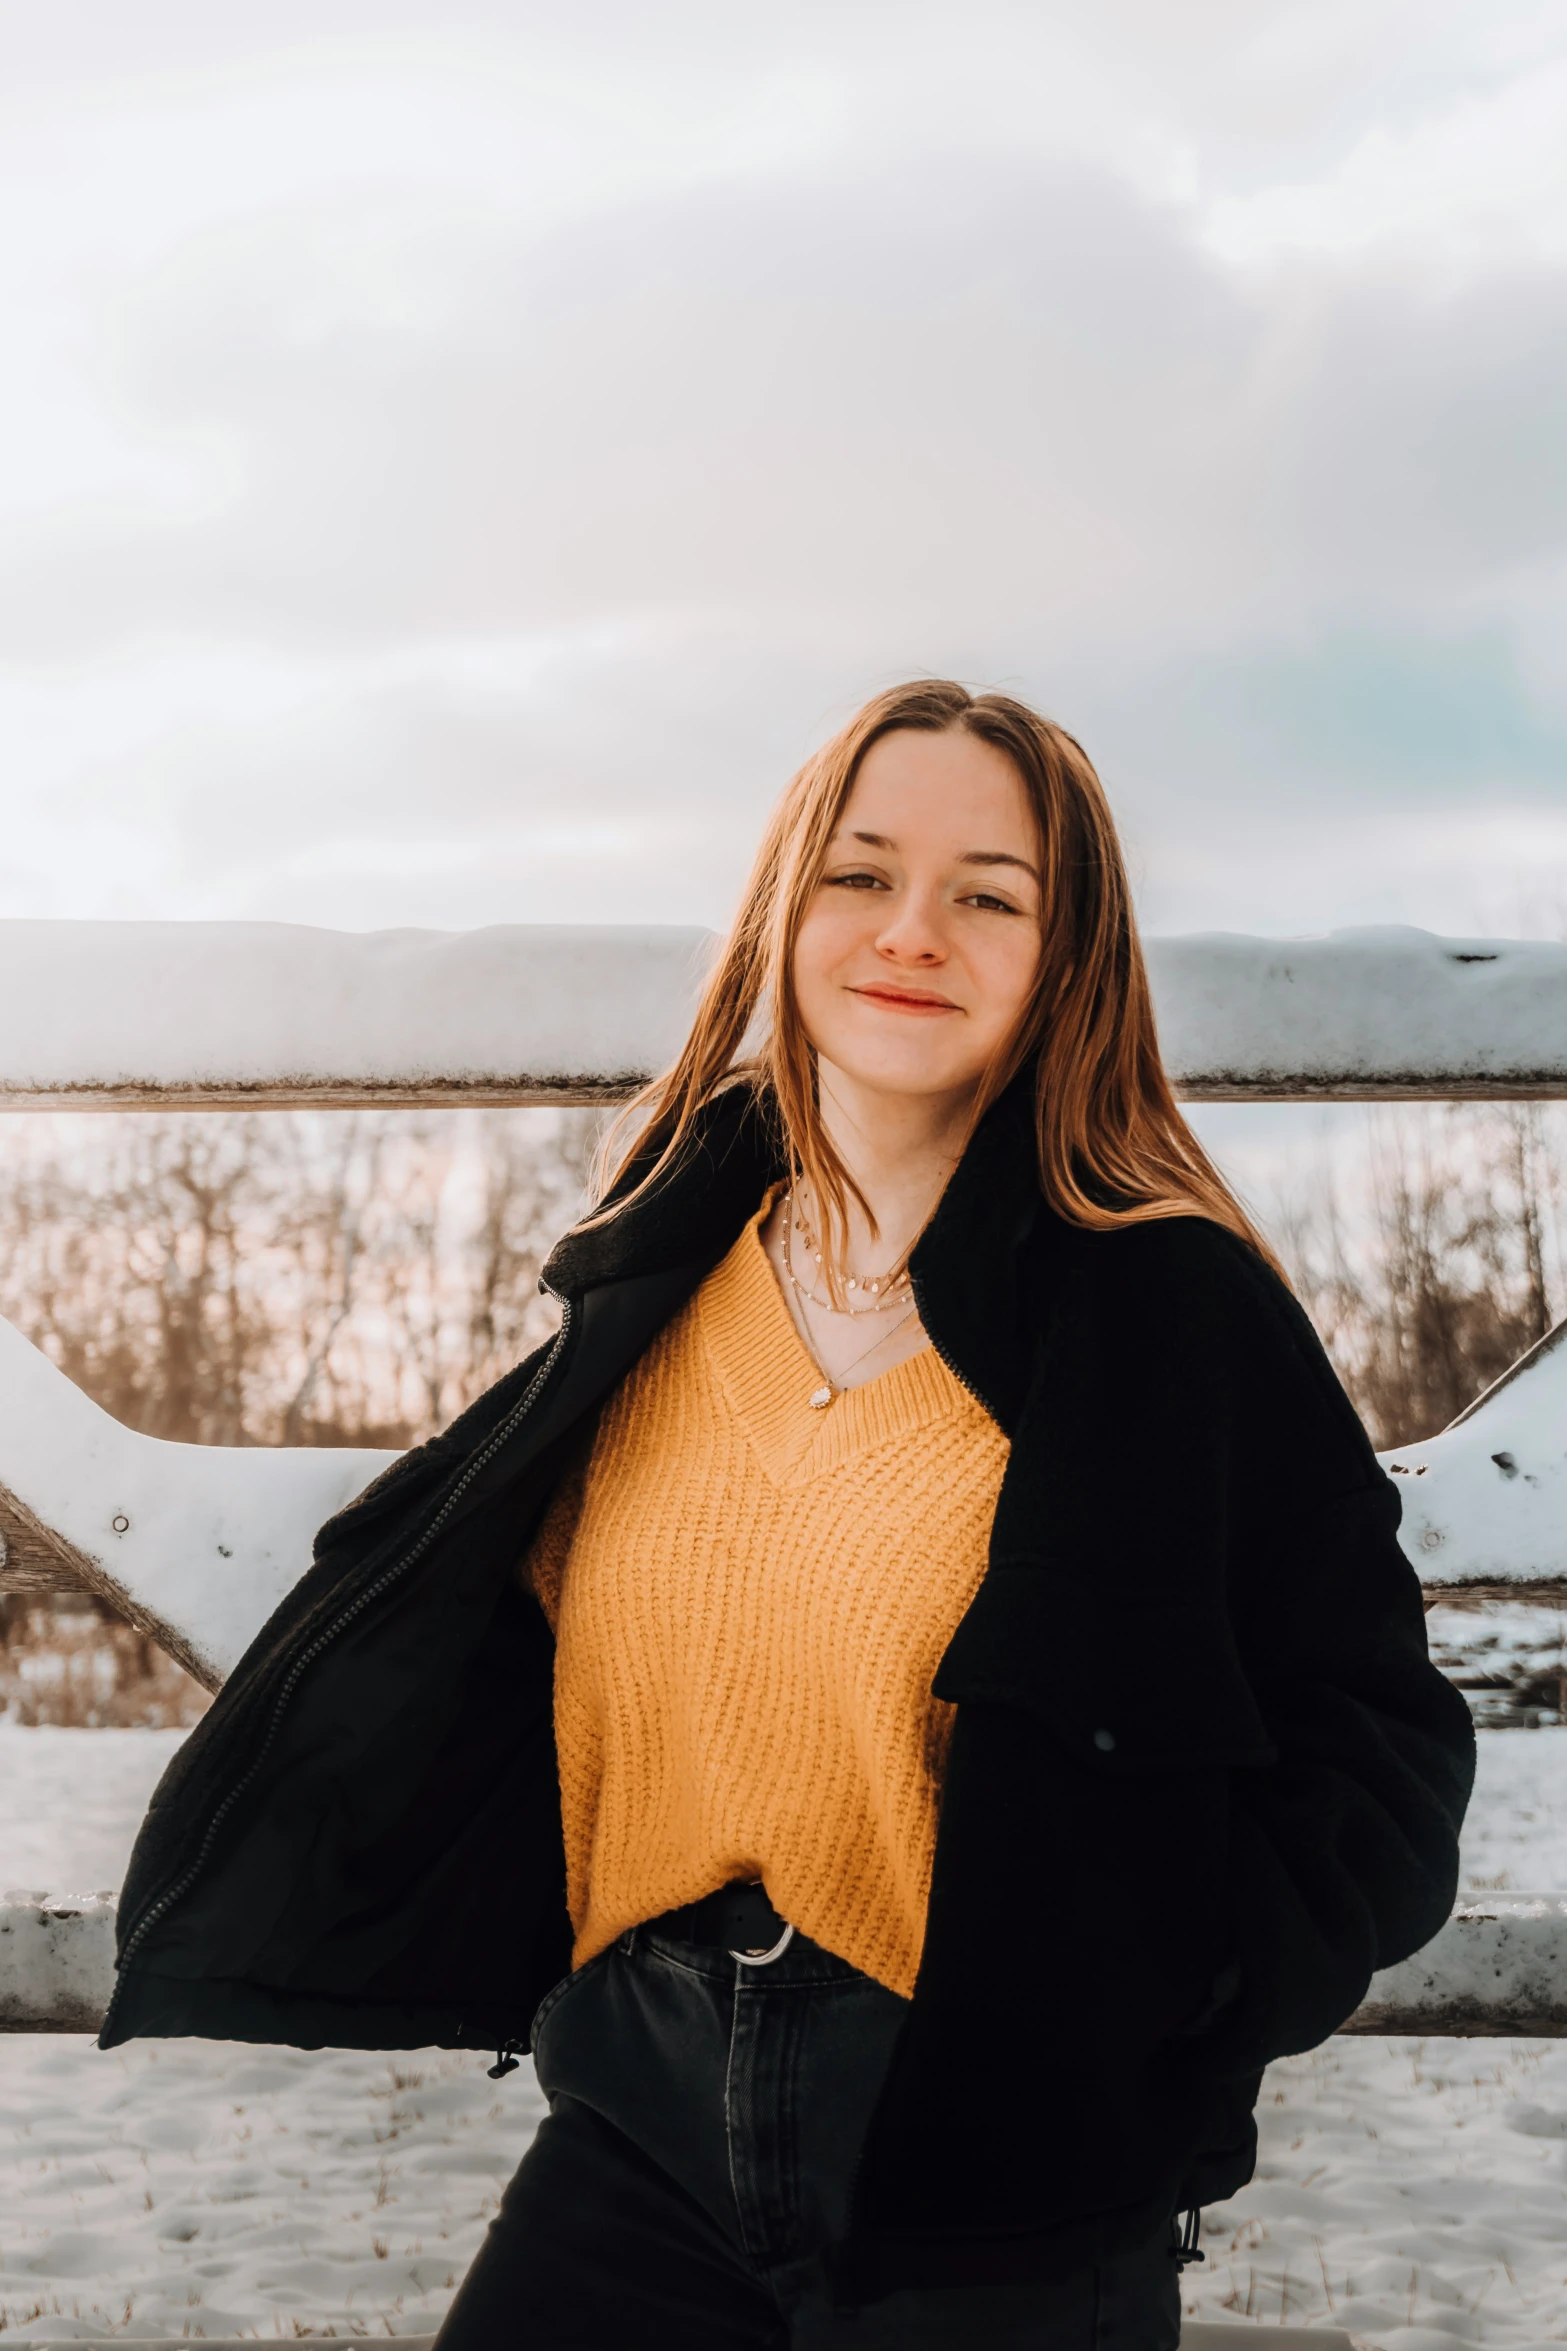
x,y
164,1903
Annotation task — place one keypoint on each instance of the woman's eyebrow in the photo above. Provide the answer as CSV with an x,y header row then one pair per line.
x,y
997,857
969,856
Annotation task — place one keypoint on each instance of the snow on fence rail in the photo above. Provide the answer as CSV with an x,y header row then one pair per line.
x,y
197,1544
256,1015
210,1015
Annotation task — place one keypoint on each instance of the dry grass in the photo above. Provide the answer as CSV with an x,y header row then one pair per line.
x,y
80,1667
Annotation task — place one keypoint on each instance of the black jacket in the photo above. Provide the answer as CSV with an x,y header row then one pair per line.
x,y
1202,1781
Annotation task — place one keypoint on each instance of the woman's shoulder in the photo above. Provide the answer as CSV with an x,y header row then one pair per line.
x,y
1205,1306
1190,1253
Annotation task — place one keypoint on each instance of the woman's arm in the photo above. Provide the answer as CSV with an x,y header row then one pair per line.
x,y
1342,1852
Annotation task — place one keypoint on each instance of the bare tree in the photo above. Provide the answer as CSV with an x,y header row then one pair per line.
x,y
325,1279
1447,1268
296,1279
308,1279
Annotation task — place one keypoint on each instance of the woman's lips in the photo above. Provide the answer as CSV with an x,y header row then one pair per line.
x,y
897,1000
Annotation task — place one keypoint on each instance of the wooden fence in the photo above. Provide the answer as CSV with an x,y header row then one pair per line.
x,y
196,1544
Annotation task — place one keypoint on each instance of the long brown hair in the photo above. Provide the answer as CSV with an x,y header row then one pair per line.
x,y
1113,1146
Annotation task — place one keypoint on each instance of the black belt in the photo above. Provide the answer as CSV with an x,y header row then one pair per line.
x,y
738,1919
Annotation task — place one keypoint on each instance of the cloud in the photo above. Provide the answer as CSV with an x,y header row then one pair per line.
x,y
961,393
458,466
1478,181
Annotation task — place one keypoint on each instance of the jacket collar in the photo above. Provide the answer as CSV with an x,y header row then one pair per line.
x,y
695,1212
965,1267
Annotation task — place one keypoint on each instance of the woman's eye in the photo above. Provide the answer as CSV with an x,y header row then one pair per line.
x,y
855,881
991,904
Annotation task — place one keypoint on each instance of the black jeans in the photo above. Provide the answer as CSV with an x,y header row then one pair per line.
x,y
705,2117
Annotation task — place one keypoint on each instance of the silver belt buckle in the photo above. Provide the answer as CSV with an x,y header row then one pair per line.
x,y
765,1958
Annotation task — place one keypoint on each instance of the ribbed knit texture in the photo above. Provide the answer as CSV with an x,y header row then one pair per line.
x,y
750,1599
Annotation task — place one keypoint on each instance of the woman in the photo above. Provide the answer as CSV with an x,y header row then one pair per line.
x,y
914,1696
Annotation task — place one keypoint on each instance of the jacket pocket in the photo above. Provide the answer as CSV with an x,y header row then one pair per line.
x,y
1128,1685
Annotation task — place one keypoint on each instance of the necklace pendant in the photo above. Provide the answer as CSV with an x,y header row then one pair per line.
x,y
820,1398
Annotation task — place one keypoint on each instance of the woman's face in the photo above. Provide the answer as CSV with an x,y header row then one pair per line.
x,y
919,948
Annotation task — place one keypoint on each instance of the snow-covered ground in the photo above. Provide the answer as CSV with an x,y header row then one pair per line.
x,y
202,2188
1415,2192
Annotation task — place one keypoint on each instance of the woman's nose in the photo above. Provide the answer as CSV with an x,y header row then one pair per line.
x,y
914,933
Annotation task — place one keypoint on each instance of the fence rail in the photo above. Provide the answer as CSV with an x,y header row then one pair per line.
x,y
1498,1967
277,1015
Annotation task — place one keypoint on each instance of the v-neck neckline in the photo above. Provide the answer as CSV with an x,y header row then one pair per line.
x,y
769,1375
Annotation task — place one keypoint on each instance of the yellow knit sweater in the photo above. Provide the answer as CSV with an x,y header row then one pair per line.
x,y
750,1598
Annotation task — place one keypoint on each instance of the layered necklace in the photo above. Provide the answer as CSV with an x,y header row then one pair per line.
x,y
889,1293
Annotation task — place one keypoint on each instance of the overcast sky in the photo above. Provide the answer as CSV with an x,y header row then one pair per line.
x,y
457,459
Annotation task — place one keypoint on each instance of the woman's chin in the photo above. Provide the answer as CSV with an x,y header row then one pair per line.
x,y
908,1077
